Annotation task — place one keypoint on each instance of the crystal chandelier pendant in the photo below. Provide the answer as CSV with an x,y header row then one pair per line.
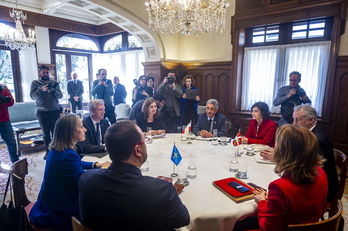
x,y
16,39
186,16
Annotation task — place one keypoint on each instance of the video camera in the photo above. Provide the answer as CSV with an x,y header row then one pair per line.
x,y
107,81
3,98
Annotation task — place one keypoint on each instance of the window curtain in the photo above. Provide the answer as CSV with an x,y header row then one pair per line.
x,y
29,70
266,69
126,65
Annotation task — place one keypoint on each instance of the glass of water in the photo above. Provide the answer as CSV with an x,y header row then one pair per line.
x,y
192,170
242,172
234,166
214,141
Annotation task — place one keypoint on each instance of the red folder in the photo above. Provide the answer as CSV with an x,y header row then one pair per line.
x,y
232,193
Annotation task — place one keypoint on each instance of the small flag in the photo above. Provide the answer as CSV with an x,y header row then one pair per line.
x,y
238,139
188,128
176,157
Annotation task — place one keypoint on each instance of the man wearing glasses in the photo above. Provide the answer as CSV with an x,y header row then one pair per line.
x,y
289,97
121,196
102,89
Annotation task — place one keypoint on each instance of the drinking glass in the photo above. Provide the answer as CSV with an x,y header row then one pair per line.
x,y
234,166
148,135
182,178
214,141
242,172
183,134
223,141
192,170
189,137
242,144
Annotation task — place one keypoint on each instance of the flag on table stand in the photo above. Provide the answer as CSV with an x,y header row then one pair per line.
x,y
237,140
176,157
188,128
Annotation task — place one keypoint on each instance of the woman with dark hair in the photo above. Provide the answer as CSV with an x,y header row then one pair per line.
x,y
261,129
150,117
151,83
299,195
141,91
188,110
58,197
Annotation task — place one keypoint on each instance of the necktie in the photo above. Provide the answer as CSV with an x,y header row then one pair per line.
x,y
98,134
210,126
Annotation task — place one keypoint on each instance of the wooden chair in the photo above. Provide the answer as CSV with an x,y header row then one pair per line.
x,y
19,171
77,226
341,166
330,224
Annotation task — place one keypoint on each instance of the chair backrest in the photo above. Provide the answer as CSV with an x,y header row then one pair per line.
x,y
19,170
122,111
77,226
330,224
341,164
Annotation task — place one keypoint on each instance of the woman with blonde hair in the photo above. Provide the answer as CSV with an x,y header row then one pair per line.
x,y
299,195
150,117
58,196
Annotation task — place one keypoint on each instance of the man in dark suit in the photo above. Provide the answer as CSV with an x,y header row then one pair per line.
x,y
210,120
75,91
120,92
96,127
306,116
134,201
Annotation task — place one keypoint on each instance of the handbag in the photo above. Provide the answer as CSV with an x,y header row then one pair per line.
x,y
12,218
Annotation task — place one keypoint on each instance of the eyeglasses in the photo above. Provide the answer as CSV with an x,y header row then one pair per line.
x,y
146,140
294,80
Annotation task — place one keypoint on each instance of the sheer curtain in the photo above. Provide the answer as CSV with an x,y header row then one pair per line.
x,y
126,65
266,69
29,71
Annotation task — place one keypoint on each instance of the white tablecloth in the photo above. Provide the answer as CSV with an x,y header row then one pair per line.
x,y
210,209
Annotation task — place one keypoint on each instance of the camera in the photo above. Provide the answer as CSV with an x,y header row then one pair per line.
x,y
136,83
170,80
52,86
107,81
3,98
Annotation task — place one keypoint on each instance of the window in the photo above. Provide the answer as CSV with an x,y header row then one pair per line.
x,y
114,44
6,73
266,68
76,41
133,42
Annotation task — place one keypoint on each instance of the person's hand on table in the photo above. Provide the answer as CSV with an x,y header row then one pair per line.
x,y
259,195
160,132
102,165
267,154
244,140
205,134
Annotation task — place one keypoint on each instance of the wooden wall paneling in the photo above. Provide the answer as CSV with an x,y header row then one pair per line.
x,y
339,127
222,92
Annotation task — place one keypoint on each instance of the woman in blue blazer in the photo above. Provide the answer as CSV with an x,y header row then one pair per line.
x,y
188,110
58,197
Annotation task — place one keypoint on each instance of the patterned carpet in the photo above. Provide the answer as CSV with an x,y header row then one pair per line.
x,y
36,166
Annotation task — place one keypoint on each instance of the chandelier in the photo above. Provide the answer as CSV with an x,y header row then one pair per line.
x,y
16,39
186,16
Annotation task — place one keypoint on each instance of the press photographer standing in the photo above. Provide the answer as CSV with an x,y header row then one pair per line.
x,y
141,90
102,89
46,92
6,131
171,109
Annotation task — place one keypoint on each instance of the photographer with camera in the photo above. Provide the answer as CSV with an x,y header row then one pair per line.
x,y
141,90
289,97
102,89
6,131
171,109
46,92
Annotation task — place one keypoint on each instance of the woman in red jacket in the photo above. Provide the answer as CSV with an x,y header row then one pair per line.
x,y
261,129
299,195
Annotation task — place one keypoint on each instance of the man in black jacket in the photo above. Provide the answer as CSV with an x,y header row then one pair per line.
x,y
96,127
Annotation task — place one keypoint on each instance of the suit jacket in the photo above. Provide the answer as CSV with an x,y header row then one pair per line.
x,y
75,89
90,144
157,124
102,92
290,203
265,134
120,94
58,197
203,124
134,202
326,151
